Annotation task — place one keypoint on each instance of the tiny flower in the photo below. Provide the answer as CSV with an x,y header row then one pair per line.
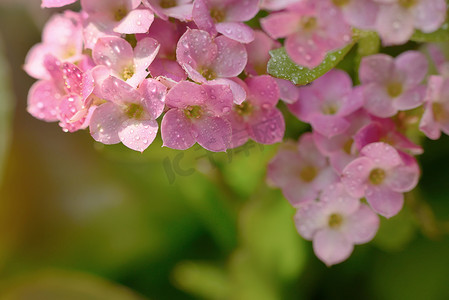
x,y
381,175
301,171
436,114
311,28
178,9
129,115
397,19
196,114
336,223
341,148
393,84
384,130
226,17
327,101
257,117
62,37
120,16
56,3
206,58
123,61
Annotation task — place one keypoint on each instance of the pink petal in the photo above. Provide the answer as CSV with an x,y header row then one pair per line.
x,y
263,91
105,123
377,101
413,65
118,91
258,53
376,68
267,126
144,54
384,201
231,57
240,132
430,15
237,90
299,193
220,99
403,178
384,155
138,134
428,125
185,94
202,18
56,3
195,48
412,98
280,169
394,24
113,52
241,11
309,219
337,200
289,93
355,176
43,101
167,68
176,130
137,21
305,51
213,133
153,97
361,226
329,125
279,25
236,31
308,104
334,84
331,246
361,13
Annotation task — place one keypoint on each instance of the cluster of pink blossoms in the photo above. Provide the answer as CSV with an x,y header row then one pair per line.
x,y
194,68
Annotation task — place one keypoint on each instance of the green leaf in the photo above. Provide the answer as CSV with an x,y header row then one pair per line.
x,y
5,109
281,66
440,35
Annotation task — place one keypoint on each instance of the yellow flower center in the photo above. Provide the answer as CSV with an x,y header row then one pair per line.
x,y
377,176
335,220
308,173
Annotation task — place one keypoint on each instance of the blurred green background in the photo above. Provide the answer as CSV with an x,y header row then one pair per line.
x,y
79,220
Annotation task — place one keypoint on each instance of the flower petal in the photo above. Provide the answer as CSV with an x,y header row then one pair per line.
x,y
176,130
105,123
331,246
138,134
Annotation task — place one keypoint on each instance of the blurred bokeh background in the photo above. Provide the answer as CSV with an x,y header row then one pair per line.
x,y
79,220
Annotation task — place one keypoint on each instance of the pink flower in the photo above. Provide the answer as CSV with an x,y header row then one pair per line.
x,y
276,4
398,19
327,101
205,58
226,17
120,16
341,148
384,130
129,115
65,97
336,223
124,62
196,114
301,171
62,37
393,84
311,28
257,117
436,114
359,13
178,9
56,3
381,175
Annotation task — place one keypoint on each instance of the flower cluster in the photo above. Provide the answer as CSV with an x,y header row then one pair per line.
x,y
197,70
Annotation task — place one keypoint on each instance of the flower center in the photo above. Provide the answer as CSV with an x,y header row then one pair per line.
x,y
244,109
347,147
134,111
407,3
120,13
308,173
217,15
193,112
377,176
308,23
335,220
340,2
209,74
167,3
330,109
127,73
394,89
